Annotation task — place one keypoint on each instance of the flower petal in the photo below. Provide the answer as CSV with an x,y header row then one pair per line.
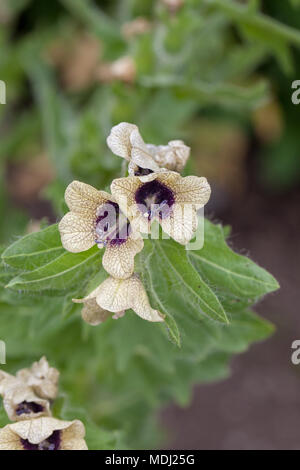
x,y
119,139
73,437
182,223
77,234
116,295
6,381
9,440
15,397
118,259
83,199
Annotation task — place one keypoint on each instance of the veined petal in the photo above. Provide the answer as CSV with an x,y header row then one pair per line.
x,y
38,430
41,377
140,154
124,189
116,295
119,139
77,233
83,199
118,259
182,223
9,440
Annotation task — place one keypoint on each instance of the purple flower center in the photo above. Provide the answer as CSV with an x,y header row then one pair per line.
x,y
27,407
111,225
155,199
51,443
142,171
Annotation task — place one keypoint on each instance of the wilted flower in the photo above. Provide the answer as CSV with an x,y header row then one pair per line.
x,y
166,197
126,142
41,377
135,27
117,296
95,218
123,69
43,434
19,400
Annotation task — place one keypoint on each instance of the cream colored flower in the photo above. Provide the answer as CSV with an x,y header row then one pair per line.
x,y
117,296
126,142
166,197
41,377
95,218
43,434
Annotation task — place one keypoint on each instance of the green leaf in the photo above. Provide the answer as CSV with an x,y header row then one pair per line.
x,y
35,249
64,272
229,271
262,24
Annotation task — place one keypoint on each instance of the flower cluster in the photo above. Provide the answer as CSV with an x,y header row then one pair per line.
x,y
27,399
154,190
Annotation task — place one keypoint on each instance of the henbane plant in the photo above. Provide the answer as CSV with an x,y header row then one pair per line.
x,y
198,302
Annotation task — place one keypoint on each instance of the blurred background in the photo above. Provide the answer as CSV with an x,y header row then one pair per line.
x,y
217,74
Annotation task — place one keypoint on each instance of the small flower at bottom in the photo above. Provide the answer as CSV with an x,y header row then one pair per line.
x,y
168,197
41,377
19,400
95,218
116,296
43,434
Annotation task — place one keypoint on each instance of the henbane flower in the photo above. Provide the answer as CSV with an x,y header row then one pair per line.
x,y
95,218
126,142
41,377
43,434
19,400
171,199
116,296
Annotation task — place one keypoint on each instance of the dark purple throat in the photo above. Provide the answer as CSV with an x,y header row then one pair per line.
x,y
155,199
27,407
51,443
111,225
